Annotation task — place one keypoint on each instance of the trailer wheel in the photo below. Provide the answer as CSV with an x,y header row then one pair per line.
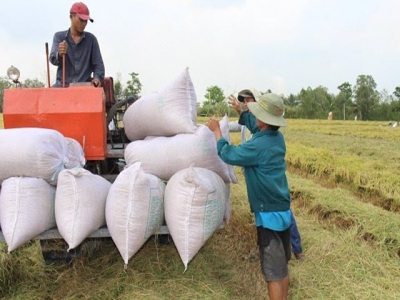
x,y
54,251
164,239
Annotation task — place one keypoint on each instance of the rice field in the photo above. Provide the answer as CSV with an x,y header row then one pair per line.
x,y
363,156
341,174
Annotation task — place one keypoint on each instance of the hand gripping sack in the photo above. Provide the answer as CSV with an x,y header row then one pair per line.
x,y
194,204
134,209
26,209
80,204
170,111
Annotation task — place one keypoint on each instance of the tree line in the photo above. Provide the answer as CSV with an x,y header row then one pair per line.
x,y
362,101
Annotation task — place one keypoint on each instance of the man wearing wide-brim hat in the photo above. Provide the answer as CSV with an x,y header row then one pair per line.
x,y
263,160
245,97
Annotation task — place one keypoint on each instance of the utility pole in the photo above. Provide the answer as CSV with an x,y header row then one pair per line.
x,y
344,110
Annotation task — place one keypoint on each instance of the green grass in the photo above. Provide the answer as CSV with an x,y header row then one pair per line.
x,y
1,121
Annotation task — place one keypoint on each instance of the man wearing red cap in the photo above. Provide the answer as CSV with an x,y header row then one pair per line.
x,y
80,49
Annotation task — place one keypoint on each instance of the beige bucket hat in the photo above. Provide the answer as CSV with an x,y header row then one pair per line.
x,y
269,109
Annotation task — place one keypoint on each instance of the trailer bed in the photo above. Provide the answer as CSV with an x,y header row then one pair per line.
x,y
99,233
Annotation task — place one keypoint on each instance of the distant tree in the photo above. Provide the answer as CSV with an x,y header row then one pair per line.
x,y
292,100
214,103
324,100
292,106
4,84
382,111
33,83
385,97
395,104
307,104
118,89
346,89
395,110
133,86
315,103
214,95
397,92
366,96
343,100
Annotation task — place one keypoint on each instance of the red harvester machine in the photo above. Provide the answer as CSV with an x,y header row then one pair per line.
x,y
87,114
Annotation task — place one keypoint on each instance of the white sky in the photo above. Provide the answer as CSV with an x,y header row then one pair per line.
x,y
281,45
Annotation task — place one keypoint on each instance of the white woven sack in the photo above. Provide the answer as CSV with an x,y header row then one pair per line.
x,y
26,209
76,156
170,111
32,152
194,204
80,204
224,125
164,156
134,209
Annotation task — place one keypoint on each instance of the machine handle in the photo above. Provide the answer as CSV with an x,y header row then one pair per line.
x,y
47,62
63,71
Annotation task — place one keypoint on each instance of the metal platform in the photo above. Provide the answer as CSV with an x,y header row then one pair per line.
x,y
115,150
99,233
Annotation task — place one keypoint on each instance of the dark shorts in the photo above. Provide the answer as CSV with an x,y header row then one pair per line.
x,y
274,253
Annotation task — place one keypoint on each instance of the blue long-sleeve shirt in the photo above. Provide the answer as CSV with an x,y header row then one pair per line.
x,y
279,220
247,119
82,59
263,159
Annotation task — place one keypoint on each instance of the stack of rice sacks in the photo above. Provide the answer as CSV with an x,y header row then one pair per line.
x,y
173,174
42,187
167,143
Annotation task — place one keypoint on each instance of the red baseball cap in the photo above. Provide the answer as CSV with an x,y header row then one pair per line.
x,y
81,10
